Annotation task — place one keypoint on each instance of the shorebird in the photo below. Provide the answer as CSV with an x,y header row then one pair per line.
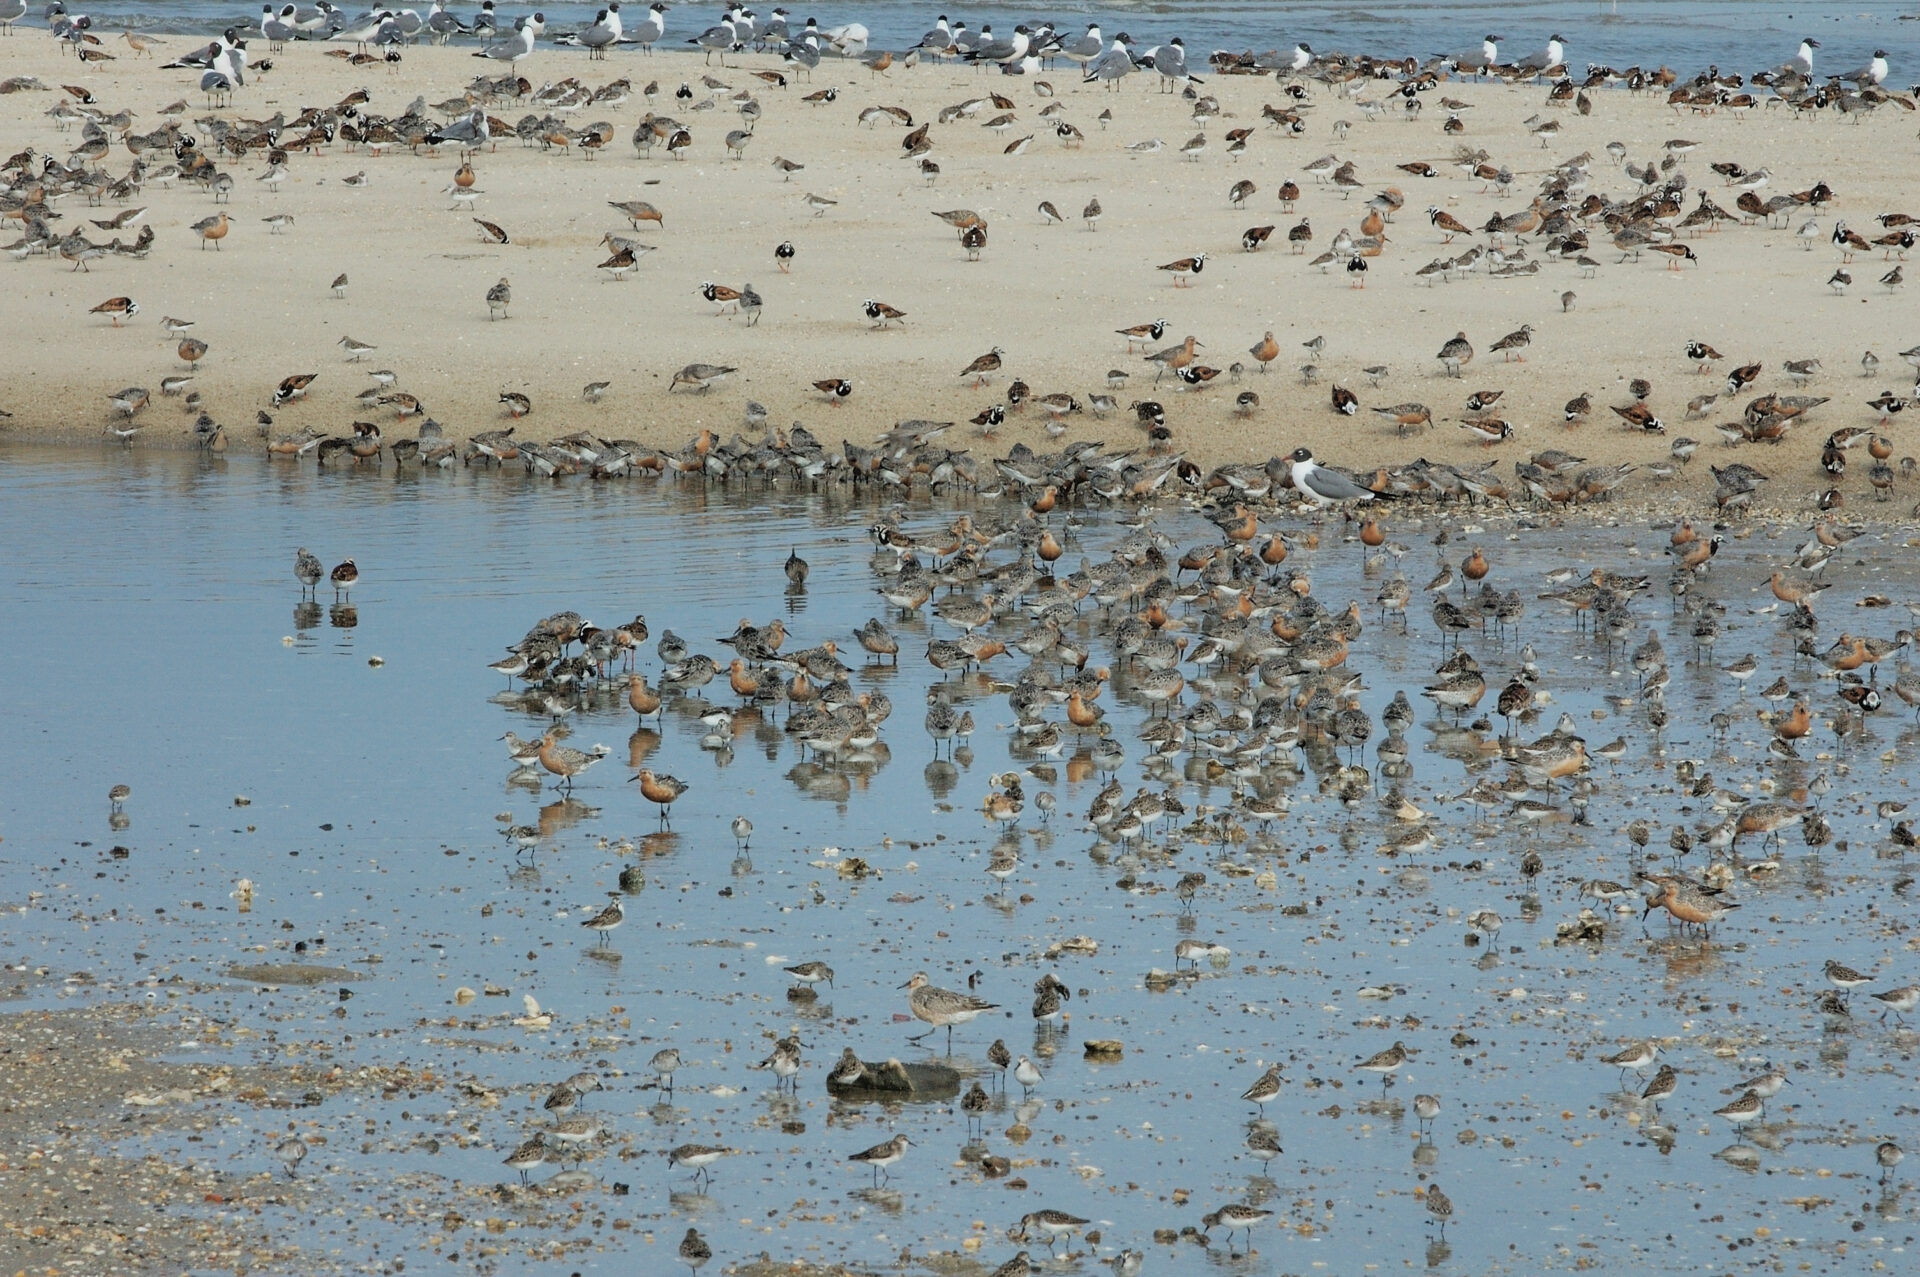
x,y
1053,1224
307,570
530,1154
881,1157
694,1250
1439,1207
982,369
211,230
1235,1217
1456,354
700,376
1385,1063
344,578
606,920
499,297
881,313
1265,1088
700,1157
661,790
564,761
117,309
1186,268
941,1007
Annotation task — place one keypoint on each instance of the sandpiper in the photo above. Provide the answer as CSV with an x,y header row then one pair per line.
x,y
881,1157
1385,1063
607,919
941,1007
1235,1217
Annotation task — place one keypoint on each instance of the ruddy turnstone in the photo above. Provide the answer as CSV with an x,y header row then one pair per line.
x,y
622,261
1185,268
882,314
982,369
117,309
783,253
344,577
834,388
1514,342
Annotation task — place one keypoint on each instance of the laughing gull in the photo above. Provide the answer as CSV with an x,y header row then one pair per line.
x,y
1555,55
511,51
1873,73
938,40
1111,65
651,28
1084,49
1170,60
363,31
849,40
1004,51
722,38
276,29
443,26
1322,486
604,32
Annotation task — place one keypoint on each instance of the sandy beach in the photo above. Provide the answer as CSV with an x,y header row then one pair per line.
x,y
1050,295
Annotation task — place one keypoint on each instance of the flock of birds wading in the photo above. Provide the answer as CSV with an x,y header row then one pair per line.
x,y
1580,215
1240,681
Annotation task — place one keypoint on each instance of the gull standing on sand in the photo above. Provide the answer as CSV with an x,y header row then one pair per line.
x,y
1322,486
516,48
1110,66
604,33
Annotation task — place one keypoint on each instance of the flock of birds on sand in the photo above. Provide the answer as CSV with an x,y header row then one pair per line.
x,y
1238,667
1241,679
1566,217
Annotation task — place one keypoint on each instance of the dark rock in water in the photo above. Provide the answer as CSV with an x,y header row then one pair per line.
x,y
893,1080
295,973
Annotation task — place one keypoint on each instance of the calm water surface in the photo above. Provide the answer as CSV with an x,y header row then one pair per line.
x,y
154,635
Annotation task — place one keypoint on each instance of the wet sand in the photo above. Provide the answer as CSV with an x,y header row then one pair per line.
x,y
1050,295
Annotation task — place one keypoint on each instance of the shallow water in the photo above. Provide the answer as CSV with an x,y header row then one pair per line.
x,y
1743,35
152,623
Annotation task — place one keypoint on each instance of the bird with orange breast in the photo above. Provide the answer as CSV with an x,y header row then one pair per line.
x,y
1795,724
1244,525
742,679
